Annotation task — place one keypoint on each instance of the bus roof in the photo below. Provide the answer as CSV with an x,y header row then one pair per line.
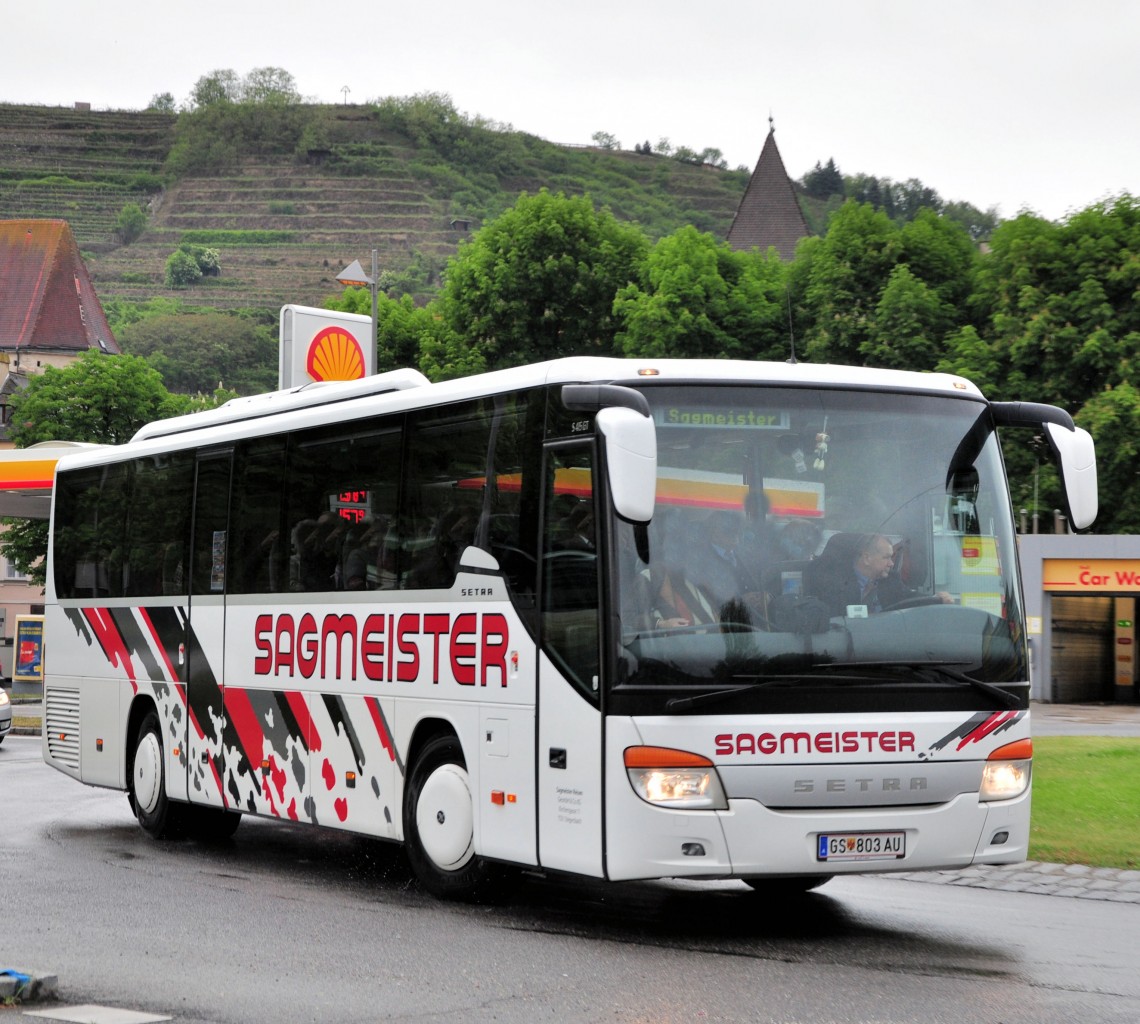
x,y
568,370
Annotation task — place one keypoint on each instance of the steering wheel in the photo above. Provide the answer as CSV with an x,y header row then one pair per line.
x,y
920,601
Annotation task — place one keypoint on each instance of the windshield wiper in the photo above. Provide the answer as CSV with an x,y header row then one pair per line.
x,y
710,697
937,671
864,671
942,672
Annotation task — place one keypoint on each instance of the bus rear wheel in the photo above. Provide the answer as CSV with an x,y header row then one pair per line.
x,y
154,811
439,824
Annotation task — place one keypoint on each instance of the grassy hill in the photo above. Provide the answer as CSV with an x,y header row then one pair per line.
x,y
287,218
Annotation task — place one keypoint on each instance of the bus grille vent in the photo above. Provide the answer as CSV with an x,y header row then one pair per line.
x,y
61,722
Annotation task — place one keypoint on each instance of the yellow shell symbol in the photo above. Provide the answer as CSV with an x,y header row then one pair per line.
x,y
335,355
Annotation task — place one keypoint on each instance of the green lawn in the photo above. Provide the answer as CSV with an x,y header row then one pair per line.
x,y
1086,801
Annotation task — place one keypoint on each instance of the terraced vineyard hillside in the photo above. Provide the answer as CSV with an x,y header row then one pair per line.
x,y
313,215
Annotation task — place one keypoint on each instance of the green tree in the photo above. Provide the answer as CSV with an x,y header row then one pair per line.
x,y
912,195
823,181
858,307
162,102
939,252
1112,416
848,271
979,224
968,355
444,355
221,86
198,352
1058,301
540,281
906,321
131,223
269,85
98,398
697,297
182,270
713,157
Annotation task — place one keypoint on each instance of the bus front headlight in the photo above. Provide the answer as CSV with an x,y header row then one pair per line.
x,y
1007,772
674,778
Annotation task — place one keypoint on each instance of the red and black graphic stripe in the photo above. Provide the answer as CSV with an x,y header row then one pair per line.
x,y
978,727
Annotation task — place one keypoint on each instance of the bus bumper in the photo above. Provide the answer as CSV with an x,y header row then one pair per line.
x,y
751,840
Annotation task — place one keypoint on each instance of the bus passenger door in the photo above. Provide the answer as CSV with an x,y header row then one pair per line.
x,y
569,684
205,633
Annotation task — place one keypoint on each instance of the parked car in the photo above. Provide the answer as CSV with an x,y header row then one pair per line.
x,y
5,713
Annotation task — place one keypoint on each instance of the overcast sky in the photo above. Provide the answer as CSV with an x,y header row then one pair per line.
x,y
1008,103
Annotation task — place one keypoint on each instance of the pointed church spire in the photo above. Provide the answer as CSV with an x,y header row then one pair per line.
x,y
769,212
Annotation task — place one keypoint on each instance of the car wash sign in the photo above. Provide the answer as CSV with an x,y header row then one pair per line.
x,y
1091,575
322,344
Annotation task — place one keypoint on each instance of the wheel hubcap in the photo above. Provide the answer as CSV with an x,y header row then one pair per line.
x,y
445,818
148,772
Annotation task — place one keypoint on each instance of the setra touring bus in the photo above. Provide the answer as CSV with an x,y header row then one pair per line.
x,y
629,620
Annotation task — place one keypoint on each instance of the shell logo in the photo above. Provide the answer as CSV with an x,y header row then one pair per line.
x,y
334,354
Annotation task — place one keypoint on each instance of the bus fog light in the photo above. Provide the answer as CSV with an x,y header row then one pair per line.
x,y
674,778
1003,780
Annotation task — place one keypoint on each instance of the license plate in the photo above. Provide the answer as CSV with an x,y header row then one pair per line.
x,y
861,846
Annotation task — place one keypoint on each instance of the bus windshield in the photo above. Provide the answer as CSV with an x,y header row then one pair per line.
x,y
822,549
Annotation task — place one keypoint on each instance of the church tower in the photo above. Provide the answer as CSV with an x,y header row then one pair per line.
x,y
769,213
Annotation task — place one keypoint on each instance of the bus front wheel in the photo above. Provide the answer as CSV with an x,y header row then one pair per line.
x,y
439,823
155,813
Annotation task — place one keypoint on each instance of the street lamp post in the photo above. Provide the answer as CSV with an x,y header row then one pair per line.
x,y
354,275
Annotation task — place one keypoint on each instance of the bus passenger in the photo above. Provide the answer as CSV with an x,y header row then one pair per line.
x,y
720,568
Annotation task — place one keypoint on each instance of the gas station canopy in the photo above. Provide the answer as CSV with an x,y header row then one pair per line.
x,y
27,475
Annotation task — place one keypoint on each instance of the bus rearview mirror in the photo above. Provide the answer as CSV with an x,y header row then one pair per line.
x,y
1076,456
631,461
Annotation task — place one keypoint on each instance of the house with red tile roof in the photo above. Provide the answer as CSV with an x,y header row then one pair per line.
x,y
769,214
49,316
49,312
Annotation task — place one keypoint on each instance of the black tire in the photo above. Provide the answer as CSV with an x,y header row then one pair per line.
x,y
791,886
156,815
439,816
211,824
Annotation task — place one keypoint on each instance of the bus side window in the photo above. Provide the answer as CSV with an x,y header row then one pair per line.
x,y
340,490
446,477
75,544
259,547
158,529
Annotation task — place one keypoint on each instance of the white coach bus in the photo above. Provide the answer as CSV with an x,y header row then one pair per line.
x,y
629,620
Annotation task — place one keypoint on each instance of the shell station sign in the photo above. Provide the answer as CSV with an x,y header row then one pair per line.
x,y
1091,575
322,344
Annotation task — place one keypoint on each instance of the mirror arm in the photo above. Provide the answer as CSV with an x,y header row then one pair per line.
x,y
595,397
1029,414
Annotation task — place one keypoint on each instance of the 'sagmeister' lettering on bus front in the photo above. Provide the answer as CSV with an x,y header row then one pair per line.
x,y
721,418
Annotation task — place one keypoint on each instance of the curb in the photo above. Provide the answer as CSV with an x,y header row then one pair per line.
x,y
1079,881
